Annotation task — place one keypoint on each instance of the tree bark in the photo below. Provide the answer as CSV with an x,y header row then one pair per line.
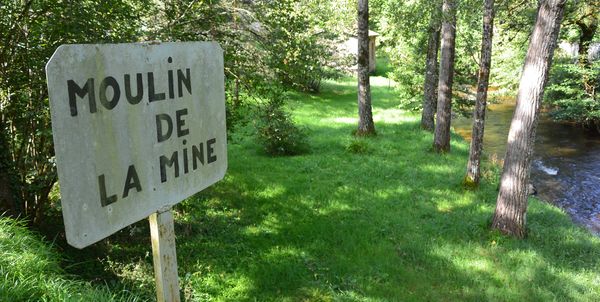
x,y
441,142
511,207
431,73
587,26
473,166
365,114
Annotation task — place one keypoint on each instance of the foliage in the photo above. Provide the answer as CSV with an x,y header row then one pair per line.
x,y
266,43
30,271
30,33
514,24
276,130
567,96
300,49
405,27
575,77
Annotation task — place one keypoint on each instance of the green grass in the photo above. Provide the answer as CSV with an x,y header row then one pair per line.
x,y
356,219
30,271
391,223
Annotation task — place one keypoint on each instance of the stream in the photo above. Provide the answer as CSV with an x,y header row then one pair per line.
x,y
566,161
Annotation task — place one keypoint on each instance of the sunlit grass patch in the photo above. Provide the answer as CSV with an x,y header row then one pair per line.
x,y
30,271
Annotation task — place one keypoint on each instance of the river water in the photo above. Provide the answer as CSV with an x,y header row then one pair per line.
x,y
566,161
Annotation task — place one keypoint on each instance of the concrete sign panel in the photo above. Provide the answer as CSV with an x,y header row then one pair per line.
x,y
137,128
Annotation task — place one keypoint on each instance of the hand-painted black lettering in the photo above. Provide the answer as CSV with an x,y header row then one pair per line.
x,y
104,200
168,162
133,100
171,84
162,136
131,181
76,91
197,154
186,167
112,82
179,114
185,80
152,95
210,156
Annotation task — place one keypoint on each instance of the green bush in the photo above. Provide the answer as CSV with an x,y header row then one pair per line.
x,y
567,96
358,146
276,130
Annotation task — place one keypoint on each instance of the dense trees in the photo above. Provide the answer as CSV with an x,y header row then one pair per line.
x,y
268,44
511,206
271,46
29,32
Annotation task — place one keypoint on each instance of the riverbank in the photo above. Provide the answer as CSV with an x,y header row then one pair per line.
x,y
566,160
370,219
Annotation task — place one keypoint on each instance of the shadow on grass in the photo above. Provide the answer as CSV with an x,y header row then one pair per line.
x,y
390,225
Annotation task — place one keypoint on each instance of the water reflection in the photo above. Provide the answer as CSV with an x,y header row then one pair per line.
x,y
566,163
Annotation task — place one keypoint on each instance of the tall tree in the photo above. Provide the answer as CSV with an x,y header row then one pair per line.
x,y
473,166
431,71
511,206
441,142
365,114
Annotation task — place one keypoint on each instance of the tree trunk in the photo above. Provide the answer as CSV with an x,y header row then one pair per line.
x,y
473,166
511,206
587,26
365,114
431,73
441,142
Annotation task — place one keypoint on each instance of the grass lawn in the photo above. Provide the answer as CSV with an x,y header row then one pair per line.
x,y
391,223
370,219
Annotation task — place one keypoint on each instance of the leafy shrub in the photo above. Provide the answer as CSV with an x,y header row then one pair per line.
x,y
358,146
276,130
567,96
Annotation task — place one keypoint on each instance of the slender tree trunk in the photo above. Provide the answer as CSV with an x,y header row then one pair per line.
x,y
365,114
511,206
441,142
587,27
431,72
473,166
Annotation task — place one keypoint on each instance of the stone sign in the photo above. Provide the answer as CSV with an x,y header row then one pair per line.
x,y
137,128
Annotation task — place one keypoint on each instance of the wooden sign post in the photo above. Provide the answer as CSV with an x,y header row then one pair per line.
x,y
162,232
137,129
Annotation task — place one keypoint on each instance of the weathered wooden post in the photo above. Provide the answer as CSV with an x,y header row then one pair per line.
x,y
137,129
162,232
